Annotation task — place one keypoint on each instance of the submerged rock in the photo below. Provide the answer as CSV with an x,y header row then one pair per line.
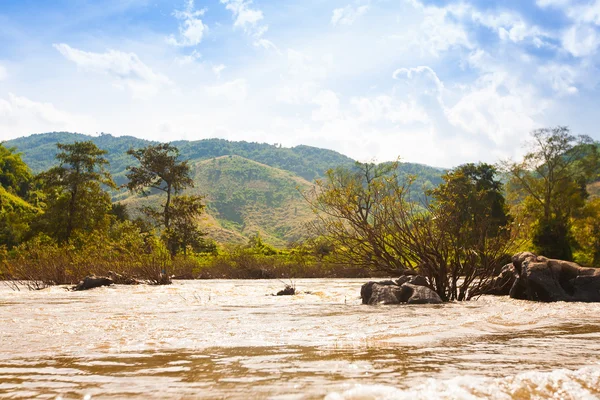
x,y
90,282
407,289
287,291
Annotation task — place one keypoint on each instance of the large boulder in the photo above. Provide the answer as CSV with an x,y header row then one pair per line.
x,y
90,282
547,280
409,290
366,291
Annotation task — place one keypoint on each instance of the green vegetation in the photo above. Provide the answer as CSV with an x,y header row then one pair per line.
x,y
371,220
551,181
455,227
248,188
75,200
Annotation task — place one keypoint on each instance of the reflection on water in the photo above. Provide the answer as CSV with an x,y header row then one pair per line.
x,y
227,339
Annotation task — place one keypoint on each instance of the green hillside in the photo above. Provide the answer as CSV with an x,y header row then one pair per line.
x,y
249,187
305,161
244,197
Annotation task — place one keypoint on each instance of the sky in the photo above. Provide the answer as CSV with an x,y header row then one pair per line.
x,y
430,81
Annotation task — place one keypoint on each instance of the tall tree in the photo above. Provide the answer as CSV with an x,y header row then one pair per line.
x,y
75,197
552,179
159,169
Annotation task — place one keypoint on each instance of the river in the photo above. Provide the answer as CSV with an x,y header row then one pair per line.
x,y
232,339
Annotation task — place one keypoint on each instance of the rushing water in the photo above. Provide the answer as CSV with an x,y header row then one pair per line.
x,y
231,339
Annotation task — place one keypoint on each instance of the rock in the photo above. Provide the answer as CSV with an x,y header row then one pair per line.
x,y
417,294
548,280
384,294
412,290
414,279
287,291
366,290
90,282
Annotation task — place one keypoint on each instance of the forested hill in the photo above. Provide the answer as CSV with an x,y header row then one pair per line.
x,y
249,187
308,162
305,161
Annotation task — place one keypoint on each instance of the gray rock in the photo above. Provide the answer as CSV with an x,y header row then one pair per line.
x,y
412,291
384,294
91,282
417,294
366,290
548,280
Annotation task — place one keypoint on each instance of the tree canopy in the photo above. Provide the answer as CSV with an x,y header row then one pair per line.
x,y
551,179
76,200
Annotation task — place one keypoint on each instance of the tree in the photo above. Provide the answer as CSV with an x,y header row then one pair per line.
x,y
368,216
471,216
75,198
15,175
15,210
184,231
551,180
586,231
159,169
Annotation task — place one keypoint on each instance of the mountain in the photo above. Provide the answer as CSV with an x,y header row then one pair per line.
x,y
249,187
305,161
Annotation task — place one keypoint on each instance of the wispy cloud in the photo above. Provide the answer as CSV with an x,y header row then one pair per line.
x,y
191,27
21,115
217,69
347,15
249,19
3,73
124,68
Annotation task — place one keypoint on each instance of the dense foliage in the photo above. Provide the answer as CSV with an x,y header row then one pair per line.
x,y
454,227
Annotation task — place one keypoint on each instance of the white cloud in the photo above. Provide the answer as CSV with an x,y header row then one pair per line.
x,y
3,73
22,116
126,69
235,90
245,16
581,40
191,27
217,69
439,29
562,78
189,58
388,108
248,18
329,106
347,15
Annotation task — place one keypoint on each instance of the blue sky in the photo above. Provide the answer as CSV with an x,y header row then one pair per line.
x,y
430,81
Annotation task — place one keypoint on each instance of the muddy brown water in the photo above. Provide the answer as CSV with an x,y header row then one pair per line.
x,y
231,339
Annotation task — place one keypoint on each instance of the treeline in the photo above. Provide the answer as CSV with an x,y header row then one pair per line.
x,y
465,229
60,225
305,161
